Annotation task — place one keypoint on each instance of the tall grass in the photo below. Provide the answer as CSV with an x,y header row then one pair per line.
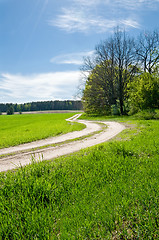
x,y
18,129
106,192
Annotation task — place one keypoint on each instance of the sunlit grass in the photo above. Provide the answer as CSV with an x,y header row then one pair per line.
x,y
105,192
18,129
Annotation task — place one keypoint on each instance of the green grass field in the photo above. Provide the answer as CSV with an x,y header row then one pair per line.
x,y
110,191
18,129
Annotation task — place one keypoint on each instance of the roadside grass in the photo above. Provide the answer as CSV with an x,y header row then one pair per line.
x,y
109,191
142,115
19,129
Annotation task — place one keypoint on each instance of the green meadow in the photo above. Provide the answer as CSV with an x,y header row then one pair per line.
x,y
110,191
19,129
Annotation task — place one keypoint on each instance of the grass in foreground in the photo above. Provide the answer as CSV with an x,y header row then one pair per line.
x,y
19,129
106,192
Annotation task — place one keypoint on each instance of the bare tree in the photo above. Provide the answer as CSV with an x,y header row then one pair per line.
x,y
147,50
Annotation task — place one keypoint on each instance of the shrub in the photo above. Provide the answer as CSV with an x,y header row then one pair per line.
x,y
146,114
115,110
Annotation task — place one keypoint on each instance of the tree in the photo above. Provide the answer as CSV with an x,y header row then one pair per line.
x,y
147,50
10,110
99,92
124,57
116,57
144,92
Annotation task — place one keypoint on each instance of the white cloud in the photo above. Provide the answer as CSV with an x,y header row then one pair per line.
x,y
70,20
137,4
36,87
126,4
73,20
71,58
130,23
101,15
98,15
91,3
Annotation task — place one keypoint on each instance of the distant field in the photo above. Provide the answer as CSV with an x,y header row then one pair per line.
x,y
109,191
18,129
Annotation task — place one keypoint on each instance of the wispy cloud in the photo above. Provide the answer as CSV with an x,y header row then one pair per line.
x,y
137,4
45,86
89,3
71,58
73,20
88,16
129,23
126,4
70,20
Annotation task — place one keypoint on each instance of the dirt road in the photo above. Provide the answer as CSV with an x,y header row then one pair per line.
x,y
22,154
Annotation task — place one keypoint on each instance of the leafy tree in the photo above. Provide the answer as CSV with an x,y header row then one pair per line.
x,y
144,92
10,110
114,68
116,73
19,107
99,93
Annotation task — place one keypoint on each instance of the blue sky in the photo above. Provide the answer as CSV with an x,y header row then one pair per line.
x,y
43,42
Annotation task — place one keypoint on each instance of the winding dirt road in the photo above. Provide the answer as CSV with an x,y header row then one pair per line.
x,y
22,154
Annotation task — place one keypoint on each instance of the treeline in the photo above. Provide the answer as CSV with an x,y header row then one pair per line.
x,y
41,106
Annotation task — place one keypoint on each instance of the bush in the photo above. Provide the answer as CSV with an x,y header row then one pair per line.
x,y
146,114
115,110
